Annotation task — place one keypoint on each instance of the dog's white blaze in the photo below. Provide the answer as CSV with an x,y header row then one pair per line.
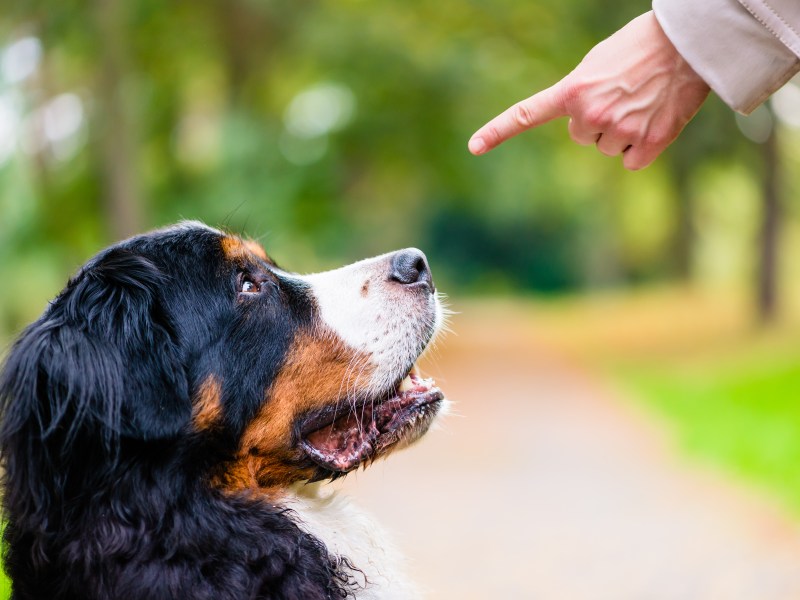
x,y
392,325
375,316
342,306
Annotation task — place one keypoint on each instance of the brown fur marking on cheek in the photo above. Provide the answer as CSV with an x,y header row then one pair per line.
x,y
207,407
317,373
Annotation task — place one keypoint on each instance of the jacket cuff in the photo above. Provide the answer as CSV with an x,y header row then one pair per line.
x,y
741,60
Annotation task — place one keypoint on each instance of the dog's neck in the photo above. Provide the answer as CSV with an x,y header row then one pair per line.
x,y
349,532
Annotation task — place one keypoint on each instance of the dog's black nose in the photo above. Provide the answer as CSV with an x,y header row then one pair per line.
x,y
410,267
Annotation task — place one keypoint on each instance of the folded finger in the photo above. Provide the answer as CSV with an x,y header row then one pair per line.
x,y
581,134
612,145
638,157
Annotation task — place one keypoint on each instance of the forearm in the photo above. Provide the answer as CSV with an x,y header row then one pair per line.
x,y
743,59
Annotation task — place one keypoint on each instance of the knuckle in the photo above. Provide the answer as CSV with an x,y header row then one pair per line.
x,y
628,132
571,92
578,135
492,136
597,118
653,142
522,116
657,139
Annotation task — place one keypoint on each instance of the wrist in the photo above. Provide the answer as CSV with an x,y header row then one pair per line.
x,y
682,69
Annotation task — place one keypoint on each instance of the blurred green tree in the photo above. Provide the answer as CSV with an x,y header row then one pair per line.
x,y
339,130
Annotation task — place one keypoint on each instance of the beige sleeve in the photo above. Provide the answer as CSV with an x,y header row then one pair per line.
x,y
780,17
740,56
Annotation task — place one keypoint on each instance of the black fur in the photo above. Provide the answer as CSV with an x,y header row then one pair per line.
x,y
106,492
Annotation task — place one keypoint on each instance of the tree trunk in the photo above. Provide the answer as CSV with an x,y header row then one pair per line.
x,y
116,144
241,31
683,235
769,237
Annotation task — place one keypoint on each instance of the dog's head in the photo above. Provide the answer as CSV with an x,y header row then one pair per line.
x,y
193,338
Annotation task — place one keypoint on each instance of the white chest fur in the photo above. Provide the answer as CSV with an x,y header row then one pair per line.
x,y
349,532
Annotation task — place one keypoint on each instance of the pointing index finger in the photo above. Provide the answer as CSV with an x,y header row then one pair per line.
x,y
527,114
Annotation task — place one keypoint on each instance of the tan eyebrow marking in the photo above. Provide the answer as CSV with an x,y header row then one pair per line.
x,y
237,248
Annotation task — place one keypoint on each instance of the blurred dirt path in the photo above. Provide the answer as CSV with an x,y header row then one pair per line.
x,y
549,487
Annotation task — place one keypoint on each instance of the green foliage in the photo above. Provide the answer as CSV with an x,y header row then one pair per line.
x,y
739,412
333,128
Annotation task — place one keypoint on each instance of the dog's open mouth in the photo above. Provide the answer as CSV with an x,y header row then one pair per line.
x,y
343,437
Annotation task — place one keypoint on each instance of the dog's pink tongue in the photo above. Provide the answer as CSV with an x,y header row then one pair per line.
x,y
343,444
352,438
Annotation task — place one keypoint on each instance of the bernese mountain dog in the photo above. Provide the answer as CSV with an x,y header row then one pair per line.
x,y
168,421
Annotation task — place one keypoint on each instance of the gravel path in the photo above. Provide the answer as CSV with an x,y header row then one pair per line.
x,y
547,486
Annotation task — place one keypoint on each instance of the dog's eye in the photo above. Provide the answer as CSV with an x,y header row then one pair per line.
x,y
248,286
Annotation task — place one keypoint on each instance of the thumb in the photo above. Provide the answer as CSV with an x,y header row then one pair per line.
x,y
531,112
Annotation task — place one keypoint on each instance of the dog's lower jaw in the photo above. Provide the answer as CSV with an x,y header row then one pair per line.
x,y
349,532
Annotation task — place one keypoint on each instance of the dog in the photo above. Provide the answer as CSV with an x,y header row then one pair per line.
x,y
170,418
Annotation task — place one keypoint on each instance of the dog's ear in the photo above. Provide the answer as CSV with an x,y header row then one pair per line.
x,y
103,357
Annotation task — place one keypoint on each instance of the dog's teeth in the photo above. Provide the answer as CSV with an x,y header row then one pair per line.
x,y
406,384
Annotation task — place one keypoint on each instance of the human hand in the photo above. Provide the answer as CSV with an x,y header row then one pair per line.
x,y
631,94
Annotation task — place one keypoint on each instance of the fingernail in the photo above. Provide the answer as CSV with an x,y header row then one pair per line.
x,y
477,145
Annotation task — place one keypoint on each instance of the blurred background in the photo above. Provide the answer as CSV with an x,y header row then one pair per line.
x,y
626,350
